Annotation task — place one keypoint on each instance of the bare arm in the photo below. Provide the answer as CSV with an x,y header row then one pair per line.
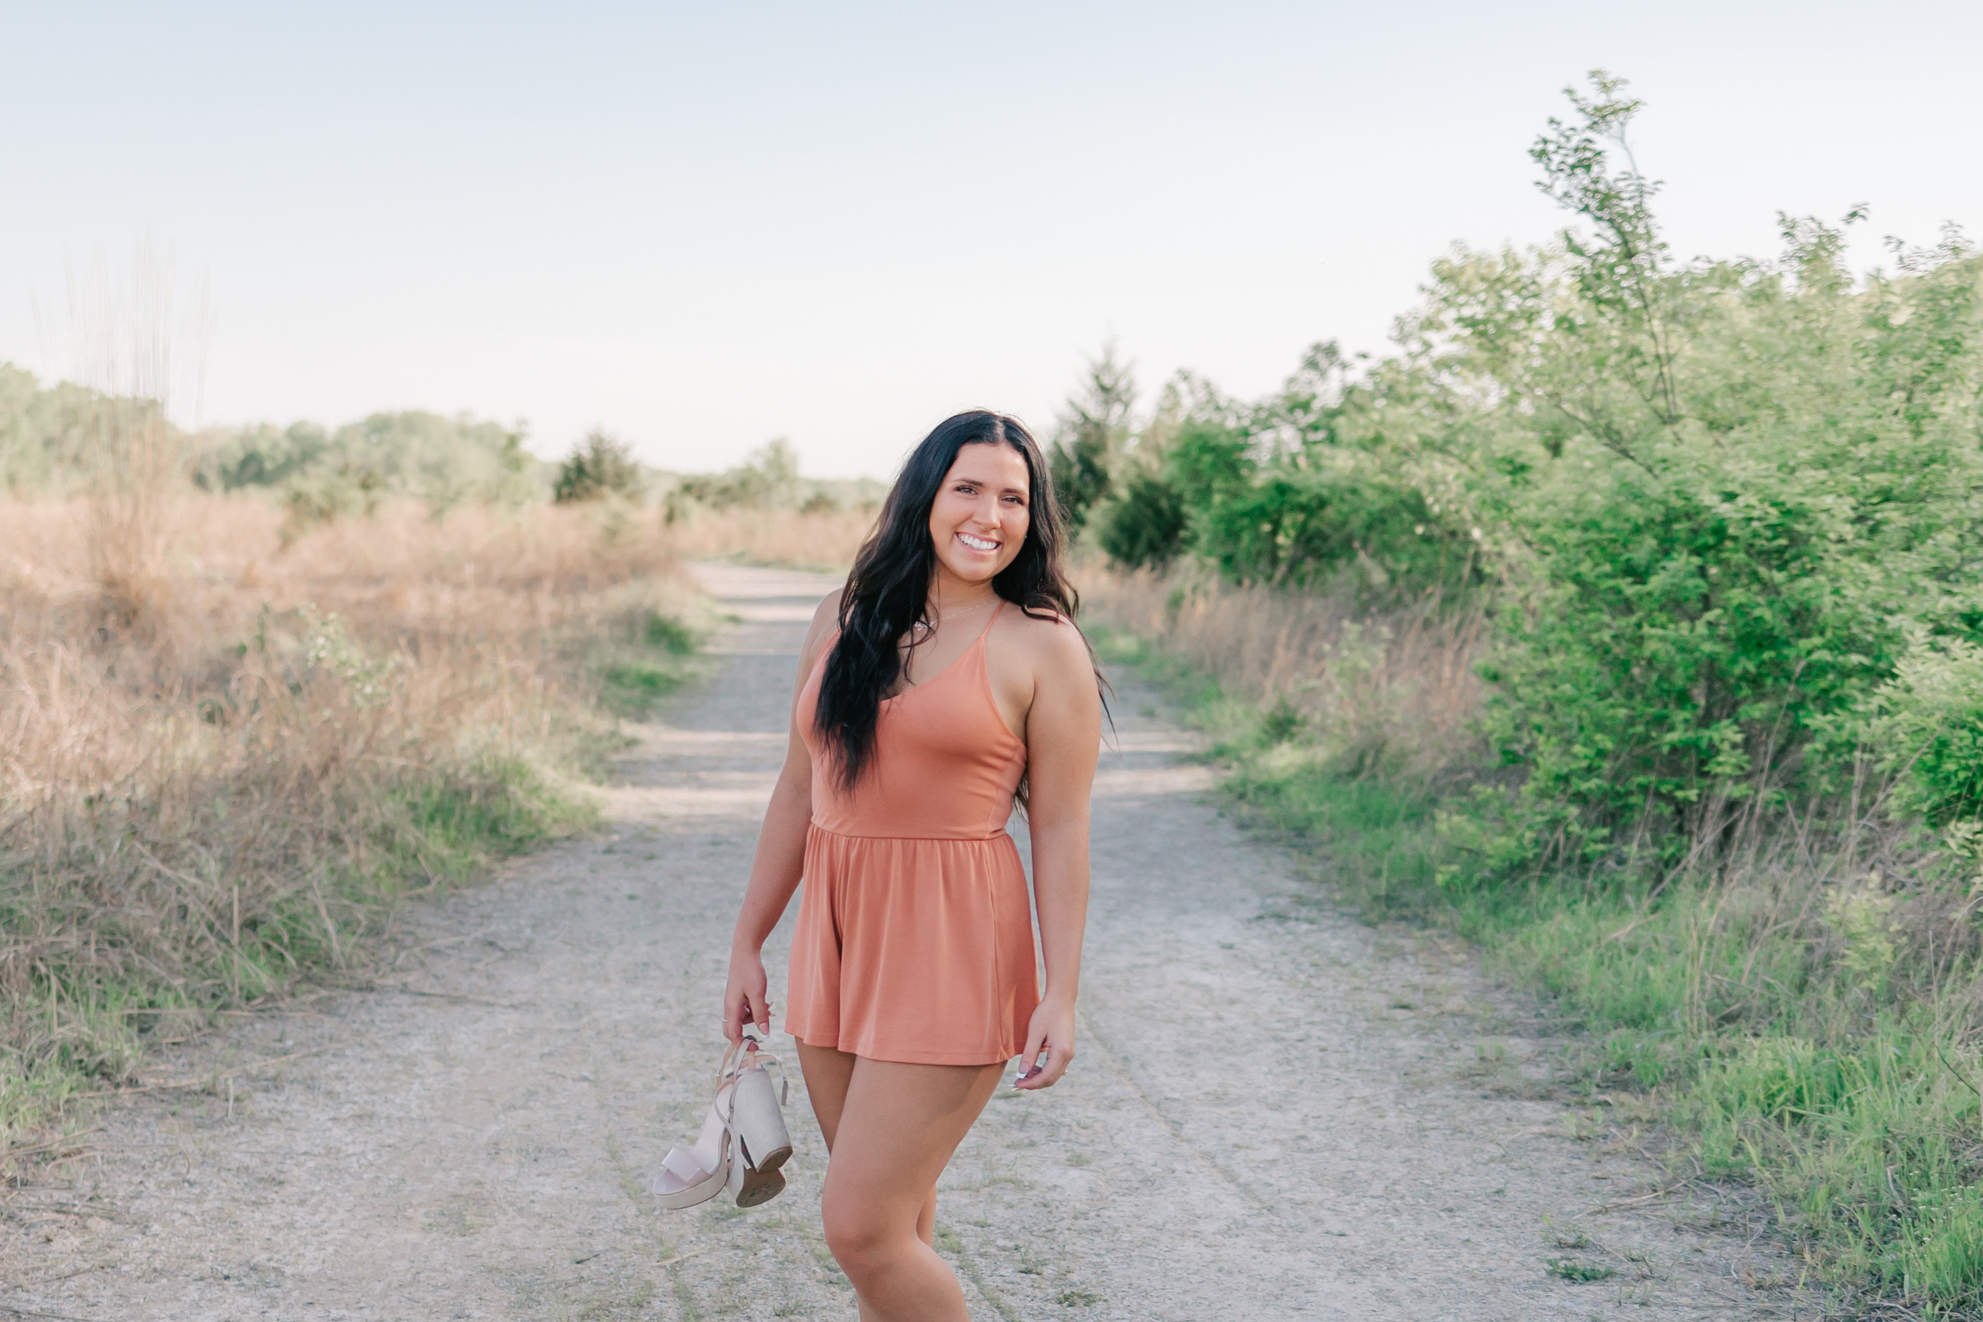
x,y
780,857
1063,740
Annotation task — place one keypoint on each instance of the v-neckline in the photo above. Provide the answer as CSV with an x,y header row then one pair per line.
x,y
977,642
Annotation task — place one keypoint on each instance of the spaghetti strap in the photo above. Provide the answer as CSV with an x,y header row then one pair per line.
x,y
985,632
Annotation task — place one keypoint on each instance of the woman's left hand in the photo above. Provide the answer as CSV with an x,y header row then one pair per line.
x,y
1051,1031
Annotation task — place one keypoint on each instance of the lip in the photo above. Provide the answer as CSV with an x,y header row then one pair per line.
x,y
991,546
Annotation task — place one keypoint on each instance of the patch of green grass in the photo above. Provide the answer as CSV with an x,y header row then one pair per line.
x,y
457,825
649,663
1573,1269
668,633
632,689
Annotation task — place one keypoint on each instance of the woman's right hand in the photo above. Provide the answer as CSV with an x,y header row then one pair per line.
x,y
747,998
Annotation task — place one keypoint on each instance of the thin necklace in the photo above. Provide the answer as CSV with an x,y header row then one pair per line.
x,y
954,611
962,610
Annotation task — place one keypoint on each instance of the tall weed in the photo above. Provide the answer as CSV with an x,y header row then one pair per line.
x,y
823,538
1374,693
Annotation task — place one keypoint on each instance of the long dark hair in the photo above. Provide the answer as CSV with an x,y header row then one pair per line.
x,y
887,594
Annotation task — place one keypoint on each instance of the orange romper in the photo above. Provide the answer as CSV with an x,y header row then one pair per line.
x,y
915,934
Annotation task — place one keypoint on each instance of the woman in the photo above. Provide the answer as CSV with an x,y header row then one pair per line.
x,y
945,679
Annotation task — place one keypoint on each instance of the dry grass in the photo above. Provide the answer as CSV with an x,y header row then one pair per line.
x,y
1392,691
223,761
820,539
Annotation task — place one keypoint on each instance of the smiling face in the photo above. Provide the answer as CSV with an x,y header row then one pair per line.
x,y
978,523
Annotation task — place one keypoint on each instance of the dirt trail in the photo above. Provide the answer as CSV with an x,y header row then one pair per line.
x,y
1276,1113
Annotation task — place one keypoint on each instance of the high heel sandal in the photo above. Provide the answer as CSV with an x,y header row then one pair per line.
x,y
761,1143
743,1141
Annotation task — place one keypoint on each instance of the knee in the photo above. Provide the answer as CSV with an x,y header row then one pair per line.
x,y
860,1241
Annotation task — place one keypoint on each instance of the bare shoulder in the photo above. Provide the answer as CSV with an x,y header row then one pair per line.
x,y
1050,644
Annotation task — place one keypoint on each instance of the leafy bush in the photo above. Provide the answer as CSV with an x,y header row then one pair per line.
x,y
600,465
768,479
44,432
1721,490
263,456
1930,729
1283,494
441,461
1305,525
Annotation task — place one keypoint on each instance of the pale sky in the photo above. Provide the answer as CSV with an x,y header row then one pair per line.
x,y
705,226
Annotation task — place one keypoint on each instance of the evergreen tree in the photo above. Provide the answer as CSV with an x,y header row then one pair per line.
x,y
1091,436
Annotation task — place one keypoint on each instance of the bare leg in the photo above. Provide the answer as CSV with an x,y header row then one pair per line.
x,y
828,1072
891,1129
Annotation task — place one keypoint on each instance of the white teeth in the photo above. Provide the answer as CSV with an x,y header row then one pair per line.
x,y
976,543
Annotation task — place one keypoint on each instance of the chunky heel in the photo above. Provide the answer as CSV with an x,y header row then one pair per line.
x,y
760,1143
759,1122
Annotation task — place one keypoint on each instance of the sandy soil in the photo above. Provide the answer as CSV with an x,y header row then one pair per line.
x,y
1276,1113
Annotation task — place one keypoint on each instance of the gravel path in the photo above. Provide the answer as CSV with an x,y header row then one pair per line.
x,y
1276,1114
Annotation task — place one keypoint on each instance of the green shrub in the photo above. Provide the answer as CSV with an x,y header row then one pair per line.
x,y
439,460
768,479
1300,525
1759,474
1294,491
1930,730
263,456
45,432
600,465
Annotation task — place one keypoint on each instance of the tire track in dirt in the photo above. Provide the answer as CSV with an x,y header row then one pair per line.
x,y
1090,1039
1277,1113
